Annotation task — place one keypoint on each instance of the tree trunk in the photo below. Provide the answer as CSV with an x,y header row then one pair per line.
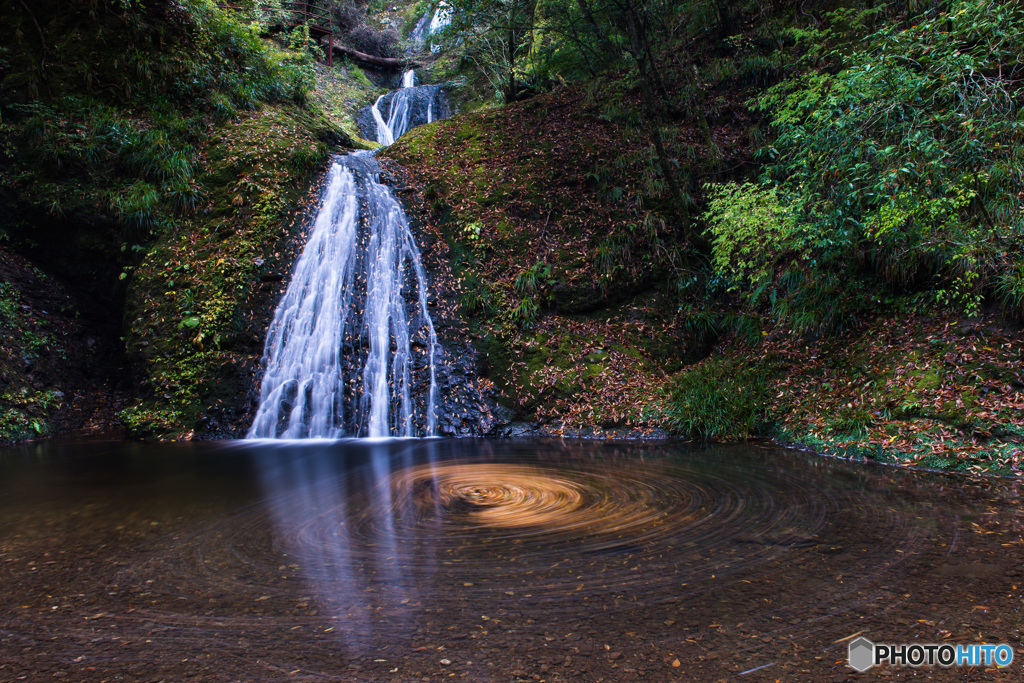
x,y
640,52
373,60
511,95
680,201
725,24
649,82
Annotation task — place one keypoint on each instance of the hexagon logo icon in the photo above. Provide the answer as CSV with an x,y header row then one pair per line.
x,y
862,654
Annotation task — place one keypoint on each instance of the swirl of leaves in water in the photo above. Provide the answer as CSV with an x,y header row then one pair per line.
x,y
395,534
619,528
516,501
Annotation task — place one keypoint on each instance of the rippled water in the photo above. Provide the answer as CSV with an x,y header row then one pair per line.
x,y
488,561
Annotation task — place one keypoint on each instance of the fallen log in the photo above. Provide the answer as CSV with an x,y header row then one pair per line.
x,y
373,60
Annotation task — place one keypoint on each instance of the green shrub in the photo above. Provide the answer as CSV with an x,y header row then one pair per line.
x,y
139,142
905,163
1010,289
721,399
533,279
743,218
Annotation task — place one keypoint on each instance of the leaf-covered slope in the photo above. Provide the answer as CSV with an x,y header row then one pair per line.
x,y
555,228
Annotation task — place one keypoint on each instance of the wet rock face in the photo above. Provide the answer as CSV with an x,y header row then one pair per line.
x,y
466,401
464,406
425,103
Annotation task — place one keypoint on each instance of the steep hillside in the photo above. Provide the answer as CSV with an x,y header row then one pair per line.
x,y
823,206
557,229
154,184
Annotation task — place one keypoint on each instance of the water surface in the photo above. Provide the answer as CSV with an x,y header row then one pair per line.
x,y
406,560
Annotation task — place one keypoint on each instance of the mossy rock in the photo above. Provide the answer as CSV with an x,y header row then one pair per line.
x,y
929,380
199,303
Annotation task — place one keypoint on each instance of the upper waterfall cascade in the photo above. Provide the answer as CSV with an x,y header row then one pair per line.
x,y
430,24
442,17
352,349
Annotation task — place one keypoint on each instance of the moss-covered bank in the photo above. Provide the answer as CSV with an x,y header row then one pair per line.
x,y
568,267
927,390
198,305
154,158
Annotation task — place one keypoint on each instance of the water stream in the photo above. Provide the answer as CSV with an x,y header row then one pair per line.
x,y
352,349
352,335
395,113
430,24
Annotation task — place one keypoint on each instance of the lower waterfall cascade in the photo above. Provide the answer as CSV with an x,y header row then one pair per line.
x,y
352,350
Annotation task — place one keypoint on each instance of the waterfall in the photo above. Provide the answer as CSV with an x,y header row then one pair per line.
x,y
416,36
352,335
384,134
442,17
399,111
429,24
352,350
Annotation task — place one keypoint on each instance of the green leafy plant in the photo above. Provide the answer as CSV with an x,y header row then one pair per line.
x,y
899,162
753,230
525,314
533,279
1010,289
721,399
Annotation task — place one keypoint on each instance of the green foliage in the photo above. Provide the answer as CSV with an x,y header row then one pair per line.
x,y
24,410
753,230
851,420
611,257
533,279
24,413
138,119
533,284
905,162
190,331
9,304
18,327
137,206
496,36
356,72
573,43
179,127
1010,289
229,56
525,314
477,296
721,399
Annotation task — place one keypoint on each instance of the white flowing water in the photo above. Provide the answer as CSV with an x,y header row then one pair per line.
x,y
384,134
442,17
352,334
416,36
399,111
430,24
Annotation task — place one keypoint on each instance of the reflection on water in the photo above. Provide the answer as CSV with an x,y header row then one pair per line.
x,y
507,560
